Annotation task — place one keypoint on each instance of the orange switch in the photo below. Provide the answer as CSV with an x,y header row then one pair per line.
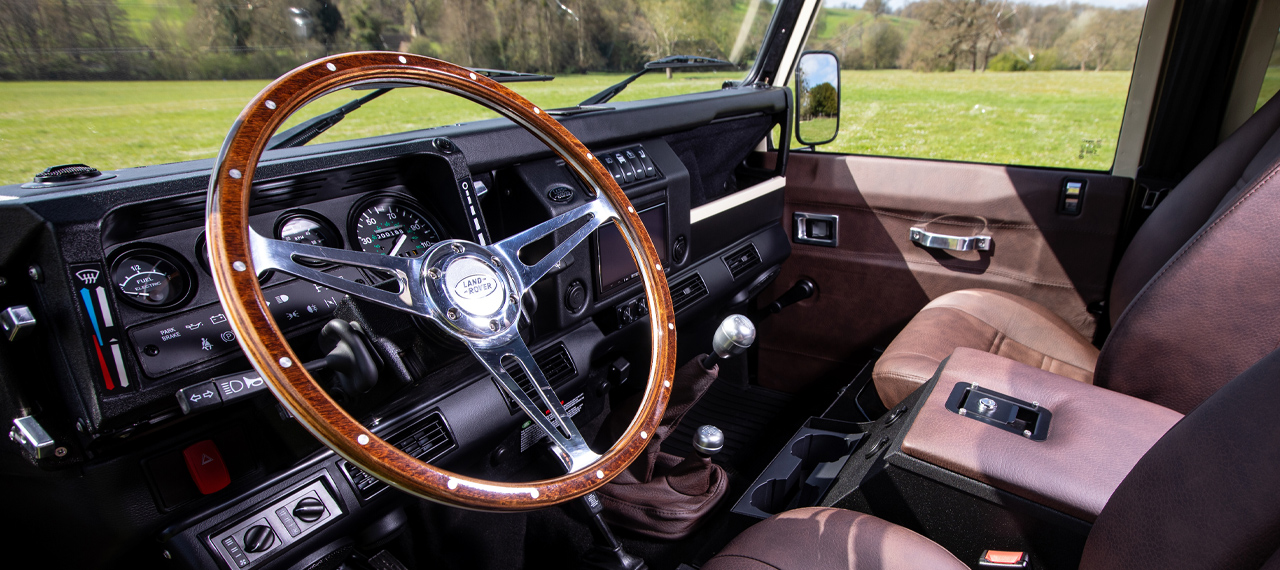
x,y
1003,559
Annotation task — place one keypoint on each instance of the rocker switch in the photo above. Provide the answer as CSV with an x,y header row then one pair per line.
x,y
1071,202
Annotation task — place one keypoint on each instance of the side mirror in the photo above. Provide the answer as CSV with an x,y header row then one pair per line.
x,y
817,98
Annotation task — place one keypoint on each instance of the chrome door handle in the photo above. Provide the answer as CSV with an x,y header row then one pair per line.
x,y
952,243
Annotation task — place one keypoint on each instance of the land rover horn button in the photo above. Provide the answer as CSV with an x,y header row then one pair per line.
x,y
472,286
475,286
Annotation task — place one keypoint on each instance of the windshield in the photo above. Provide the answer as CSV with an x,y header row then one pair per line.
x,y
123,83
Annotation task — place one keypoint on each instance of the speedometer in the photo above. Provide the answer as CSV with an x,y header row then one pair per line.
x,y
391,226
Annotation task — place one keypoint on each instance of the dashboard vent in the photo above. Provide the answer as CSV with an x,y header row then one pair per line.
x,y
160,216
427,439
283,193
556,365
369,179
688,291
740,261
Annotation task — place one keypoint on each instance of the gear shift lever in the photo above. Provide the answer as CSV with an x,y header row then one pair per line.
x,y
734,335
708,441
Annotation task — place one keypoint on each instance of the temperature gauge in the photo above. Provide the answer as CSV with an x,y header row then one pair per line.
x,y
151,278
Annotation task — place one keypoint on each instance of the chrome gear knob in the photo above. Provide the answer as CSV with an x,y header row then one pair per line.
x,y
708,440
734,335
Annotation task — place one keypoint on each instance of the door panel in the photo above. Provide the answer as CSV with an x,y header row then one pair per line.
x,y
877,279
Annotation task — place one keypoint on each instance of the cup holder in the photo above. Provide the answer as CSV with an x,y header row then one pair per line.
x,y
818,448
772,496
800,474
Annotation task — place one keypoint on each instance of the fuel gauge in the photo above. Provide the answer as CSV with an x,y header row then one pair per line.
x,y
151,278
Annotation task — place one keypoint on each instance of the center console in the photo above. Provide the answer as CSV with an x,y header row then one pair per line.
x,y
989,454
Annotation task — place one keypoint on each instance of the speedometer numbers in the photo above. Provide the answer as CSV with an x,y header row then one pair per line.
x,y
391,226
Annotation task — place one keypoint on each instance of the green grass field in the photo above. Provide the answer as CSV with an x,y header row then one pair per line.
x,y
1061,118
1066,119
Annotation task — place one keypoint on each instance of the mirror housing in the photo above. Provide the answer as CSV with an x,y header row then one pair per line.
x,y
817,81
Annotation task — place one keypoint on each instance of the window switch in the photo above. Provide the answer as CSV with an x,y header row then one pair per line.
x,y
1071,199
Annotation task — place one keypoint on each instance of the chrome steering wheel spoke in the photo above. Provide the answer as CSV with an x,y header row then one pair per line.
x,y
283,256
596,212
544,408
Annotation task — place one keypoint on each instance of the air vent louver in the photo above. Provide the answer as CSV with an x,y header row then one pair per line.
x,y
688,291
743,259
427,439
166,215
557,366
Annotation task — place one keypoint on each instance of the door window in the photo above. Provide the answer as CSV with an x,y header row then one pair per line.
x,y
982,81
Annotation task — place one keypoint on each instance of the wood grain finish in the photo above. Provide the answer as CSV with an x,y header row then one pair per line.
x,y
264,344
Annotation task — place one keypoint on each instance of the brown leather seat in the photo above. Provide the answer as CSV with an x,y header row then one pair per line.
x,y
1203,497
981,319
820,538
1197,279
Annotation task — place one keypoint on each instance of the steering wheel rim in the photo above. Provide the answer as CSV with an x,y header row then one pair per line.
x,y
234,247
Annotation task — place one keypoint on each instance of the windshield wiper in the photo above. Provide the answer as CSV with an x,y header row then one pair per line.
x,y
304,132
507,76
669,62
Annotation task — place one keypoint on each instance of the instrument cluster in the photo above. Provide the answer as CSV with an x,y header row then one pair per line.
x,y
155,278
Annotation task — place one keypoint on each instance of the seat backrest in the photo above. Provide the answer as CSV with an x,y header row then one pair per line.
x,y
1207,494
1216,181
1209,304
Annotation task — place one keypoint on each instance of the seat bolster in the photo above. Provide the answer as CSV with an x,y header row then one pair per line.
x,y
982,319
818,538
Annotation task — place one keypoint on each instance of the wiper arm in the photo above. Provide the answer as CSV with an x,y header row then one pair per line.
x,y
311,128
669,62
303,132
507,76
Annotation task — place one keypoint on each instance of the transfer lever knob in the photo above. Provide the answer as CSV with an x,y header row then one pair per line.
x,y
309,509
708,440
734,335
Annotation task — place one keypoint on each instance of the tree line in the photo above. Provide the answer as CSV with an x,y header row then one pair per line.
x,y
241,39
977,35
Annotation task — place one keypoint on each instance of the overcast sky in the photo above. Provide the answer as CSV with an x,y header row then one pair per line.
x,y
895,4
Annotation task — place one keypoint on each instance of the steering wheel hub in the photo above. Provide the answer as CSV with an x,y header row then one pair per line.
x,y
475,294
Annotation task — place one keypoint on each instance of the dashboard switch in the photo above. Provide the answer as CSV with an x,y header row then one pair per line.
x,y
200,397
614,169
17,322
206,467
649,169
309,509
259,538
628,172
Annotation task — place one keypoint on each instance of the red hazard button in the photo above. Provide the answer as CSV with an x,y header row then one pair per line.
x,y
206,467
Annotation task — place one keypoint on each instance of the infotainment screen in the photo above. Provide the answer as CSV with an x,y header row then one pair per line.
x,y
613,260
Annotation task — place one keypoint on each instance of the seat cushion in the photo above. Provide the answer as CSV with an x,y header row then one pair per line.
x,y
981,319
831,539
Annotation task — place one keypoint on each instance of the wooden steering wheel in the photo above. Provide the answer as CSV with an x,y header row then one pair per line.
x,y
472,291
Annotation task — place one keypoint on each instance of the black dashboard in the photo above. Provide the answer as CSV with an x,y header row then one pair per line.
x,y
137,378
